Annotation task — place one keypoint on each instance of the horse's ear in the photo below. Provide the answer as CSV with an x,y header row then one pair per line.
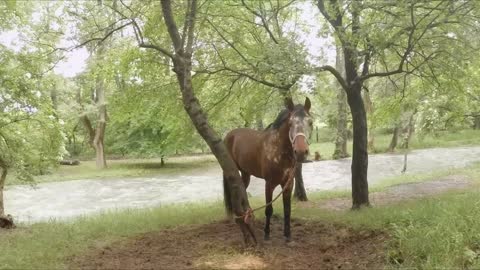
x,y
307,105
289,103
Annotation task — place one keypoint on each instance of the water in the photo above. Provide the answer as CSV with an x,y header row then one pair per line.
x,y
63,200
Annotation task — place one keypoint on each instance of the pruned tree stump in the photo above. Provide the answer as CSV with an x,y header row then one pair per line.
x,y
6,222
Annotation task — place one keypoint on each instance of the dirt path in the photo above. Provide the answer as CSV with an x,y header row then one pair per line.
x,y
219,246
401,192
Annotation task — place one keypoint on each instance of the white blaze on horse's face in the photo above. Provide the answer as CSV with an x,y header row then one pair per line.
x,y
301,125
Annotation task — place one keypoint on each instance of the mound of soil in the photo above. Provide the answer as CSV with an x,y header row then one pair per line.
x,y
219,245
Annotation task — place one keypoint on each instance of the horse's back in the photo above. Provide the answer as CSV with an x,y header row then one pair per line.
x,y
244,145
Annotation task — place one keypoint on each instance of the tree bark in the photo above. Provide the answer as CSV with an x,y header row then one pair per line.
x,y
342,133
299,193
182,68
476,122
3,176
394,141
100,128
369,109
96,135
406,141
360,144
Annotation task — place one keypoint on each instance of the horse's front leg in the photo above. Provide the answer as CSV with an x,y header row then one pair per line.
x,y
268,208
287,206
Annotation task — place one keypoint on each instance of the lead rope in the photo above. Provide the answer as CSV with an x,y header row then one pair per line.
x,y
249,213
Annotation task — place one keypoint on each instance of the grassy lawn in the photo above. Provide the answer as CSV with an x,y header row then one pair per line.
x,y
125,168
439,232
382,141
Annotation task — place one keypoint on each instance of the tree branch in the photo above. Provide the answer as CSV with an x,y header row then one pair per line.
x,y
264,22
100,40
171,25
335,73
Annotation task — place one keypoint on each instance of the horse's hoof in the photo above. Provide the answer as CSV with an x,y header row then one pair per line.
x,y
266,237
288,239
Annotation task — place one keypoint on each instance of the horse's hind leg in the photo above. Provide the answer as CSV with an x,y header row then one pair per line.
x,y
268,208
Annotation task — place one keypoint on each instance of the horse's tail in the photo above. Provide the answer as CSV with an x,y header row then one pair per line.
x,y
227,196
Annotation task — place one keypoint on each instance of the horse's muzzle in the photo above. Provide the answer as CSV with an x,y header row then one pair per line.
x,y
301,156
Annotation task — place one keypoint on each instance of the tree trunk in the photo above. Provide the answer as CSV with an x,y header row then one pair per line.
x,y
195,112
342,133
101,125
394,141
360,153
3,176
406,141
369,109
299,192
409,132
476,122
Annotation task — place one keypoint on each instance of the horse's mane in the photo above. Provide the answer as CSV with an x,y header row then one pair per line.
x,y
283,116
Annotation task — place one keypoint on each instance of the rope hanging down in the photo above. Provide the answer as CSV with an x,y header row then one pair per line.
x,y
249,213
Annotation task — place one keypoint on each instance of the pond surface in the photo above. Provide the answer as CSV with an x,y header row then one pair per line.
x,y
62,200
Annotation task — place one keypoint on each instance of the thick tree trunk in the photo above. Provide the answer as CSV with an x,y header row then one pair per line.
x,y
299,192
394,141
360,153
342,133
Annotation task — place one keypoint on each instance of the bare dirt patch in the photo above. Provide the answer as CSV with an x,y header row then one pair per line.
x,y
402,192
219,245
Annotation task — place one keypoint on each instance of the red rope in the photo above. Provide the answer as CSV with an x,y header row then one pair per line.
x,y
249,213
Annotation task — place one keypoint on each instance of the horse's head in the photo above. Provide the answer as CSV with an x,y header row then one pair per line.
x,y
301,125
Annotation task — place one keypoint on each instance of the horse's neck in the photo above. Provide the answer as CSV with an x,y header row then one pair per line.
x,y
283,141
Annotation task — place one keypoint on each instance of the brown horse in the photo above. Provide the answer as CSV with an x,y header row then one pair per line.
x,y
271,154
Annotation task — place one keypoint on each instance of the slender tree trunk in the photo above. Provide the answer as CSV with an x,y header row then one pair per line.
x,y
100,128
369,109
3,176
476,122
299,192
6,221
342,133
218,148
406,141
394,141
409,132
360,144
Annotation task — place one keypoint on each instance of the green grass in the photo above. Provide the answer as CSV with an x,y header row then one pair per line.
x,y
124,168
49,245
382,141
441,232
